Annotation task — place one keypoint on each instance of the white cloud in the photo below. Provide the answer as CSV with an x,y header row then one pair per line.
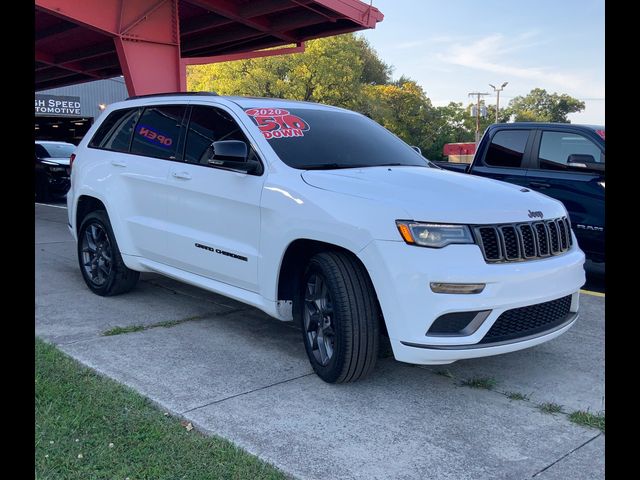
x,y
493,53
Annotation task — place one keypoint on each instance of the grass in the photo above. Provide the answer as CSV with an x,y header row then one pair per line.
x,y
445,373
121,330
140,328
517,396
550,407
588,419
90,427
486,383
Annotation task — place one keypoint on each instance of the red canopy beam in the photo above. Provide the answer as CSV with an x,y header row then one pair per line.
x,y
145,35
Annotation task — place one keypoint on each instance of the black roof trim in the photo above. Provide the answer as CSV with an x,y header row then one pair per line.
x,y
545,125
170,94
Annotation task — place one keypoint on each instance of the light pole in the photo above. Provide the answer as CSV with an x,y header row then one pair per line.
x,y
498,90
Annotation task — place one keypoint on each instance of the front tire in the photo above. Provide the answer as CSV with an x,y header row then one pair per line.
x,y
339,314
99,257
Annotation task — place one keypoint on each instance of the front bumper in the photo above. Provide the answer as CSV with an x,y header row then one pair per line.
x,y
402,274
58,182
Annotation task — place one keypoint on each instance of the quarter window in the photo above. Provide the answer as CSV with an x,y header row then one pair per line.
x,y
557,147
115,132
157,133
507,148
208,125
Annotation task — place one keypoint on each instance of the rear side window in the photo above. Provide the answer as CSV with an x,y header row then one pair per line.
x,y
557,147
157,133
115,132
507,148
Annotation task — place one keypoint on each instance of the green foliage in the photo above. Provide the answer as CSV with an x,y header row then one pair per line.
x,y
540,106
331,70
486,383
550,407
403,109
588,419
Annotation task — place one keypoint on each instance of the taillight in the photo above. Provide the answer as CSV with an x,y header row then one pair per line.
x,y
71,159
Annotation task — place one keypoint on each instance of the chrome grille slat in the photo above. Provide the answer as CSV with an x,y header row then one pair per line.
x,y
514,242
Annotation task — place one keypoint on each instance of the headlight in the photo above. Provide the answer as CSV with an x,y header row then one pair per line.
x,y
434,235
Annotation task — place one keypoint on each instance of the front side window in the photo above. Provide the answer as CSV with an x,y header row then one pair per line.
x,y
309,138
208,125
507,148
556,148
157,133
115,132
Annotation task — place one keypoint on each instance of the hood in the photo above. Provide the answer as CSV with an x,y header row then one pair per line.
x,y
60,160
433,195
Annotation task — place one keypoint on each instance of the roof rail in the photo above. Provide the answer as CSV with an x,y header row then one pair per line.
x,y
165,94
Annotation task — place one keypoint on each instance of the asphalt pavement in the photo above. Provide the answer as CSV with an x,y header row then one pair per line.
x,y
235,372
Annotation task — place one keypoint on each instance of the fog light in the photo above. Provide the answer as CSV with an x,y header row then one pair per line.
x,y
460,288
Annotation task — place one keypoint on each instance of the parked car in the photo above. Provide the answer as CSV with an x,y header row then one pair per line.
x,y
319,214
562,160
52,169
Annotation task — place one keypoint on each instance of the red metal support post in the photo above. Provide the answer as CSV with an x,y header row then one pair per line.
x,y
149,47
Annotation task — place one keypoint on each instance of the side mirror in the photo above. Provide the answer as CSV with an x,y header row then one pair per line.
x,y
232,149
584,161
233,154
417,149
576,158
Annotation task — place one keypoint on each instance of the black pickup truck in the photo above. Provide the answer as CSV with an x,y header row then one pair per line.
x,y
564,161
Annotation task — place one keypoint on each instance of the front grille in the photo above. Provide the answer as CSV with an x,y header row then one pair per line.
x,y
526,321
490,243
524,241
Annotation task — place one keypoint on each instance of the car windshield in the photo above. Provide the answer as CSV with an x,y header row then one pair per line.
x,y
58,150
319,139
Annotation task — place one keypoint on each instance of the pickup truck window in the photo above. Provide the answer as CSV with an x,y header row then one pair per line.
x,y
307,138
556,147
507,148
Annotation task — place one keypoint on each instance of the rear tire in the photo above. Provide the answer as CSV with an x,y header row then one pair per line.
x,y
339,314
99,257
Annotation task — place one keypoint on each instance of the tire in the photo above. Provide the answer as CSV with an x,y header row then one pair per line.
x,y
99,257
336,289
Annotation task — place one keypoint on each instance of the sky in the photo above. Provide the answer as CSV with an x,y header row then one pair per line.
x,y
454,47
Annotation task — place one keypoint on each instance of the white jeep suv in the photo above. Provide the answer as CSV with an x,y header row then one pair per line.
x,y
320,215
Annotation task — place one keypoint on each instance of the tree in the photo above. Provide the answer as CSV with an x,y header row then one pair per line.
x,y
331,70
403,109
540,106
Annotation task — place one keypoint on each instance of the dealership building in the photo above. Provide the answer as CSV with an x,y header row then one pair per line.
x,y
66,113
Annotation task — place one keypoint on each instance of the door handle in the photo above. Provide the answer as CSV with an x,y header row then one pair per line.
x,y
118,163
539,185
181,175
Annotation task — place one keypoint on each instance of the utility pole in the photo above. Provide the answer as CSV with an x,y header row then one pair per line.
x,y
478,94
498,90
